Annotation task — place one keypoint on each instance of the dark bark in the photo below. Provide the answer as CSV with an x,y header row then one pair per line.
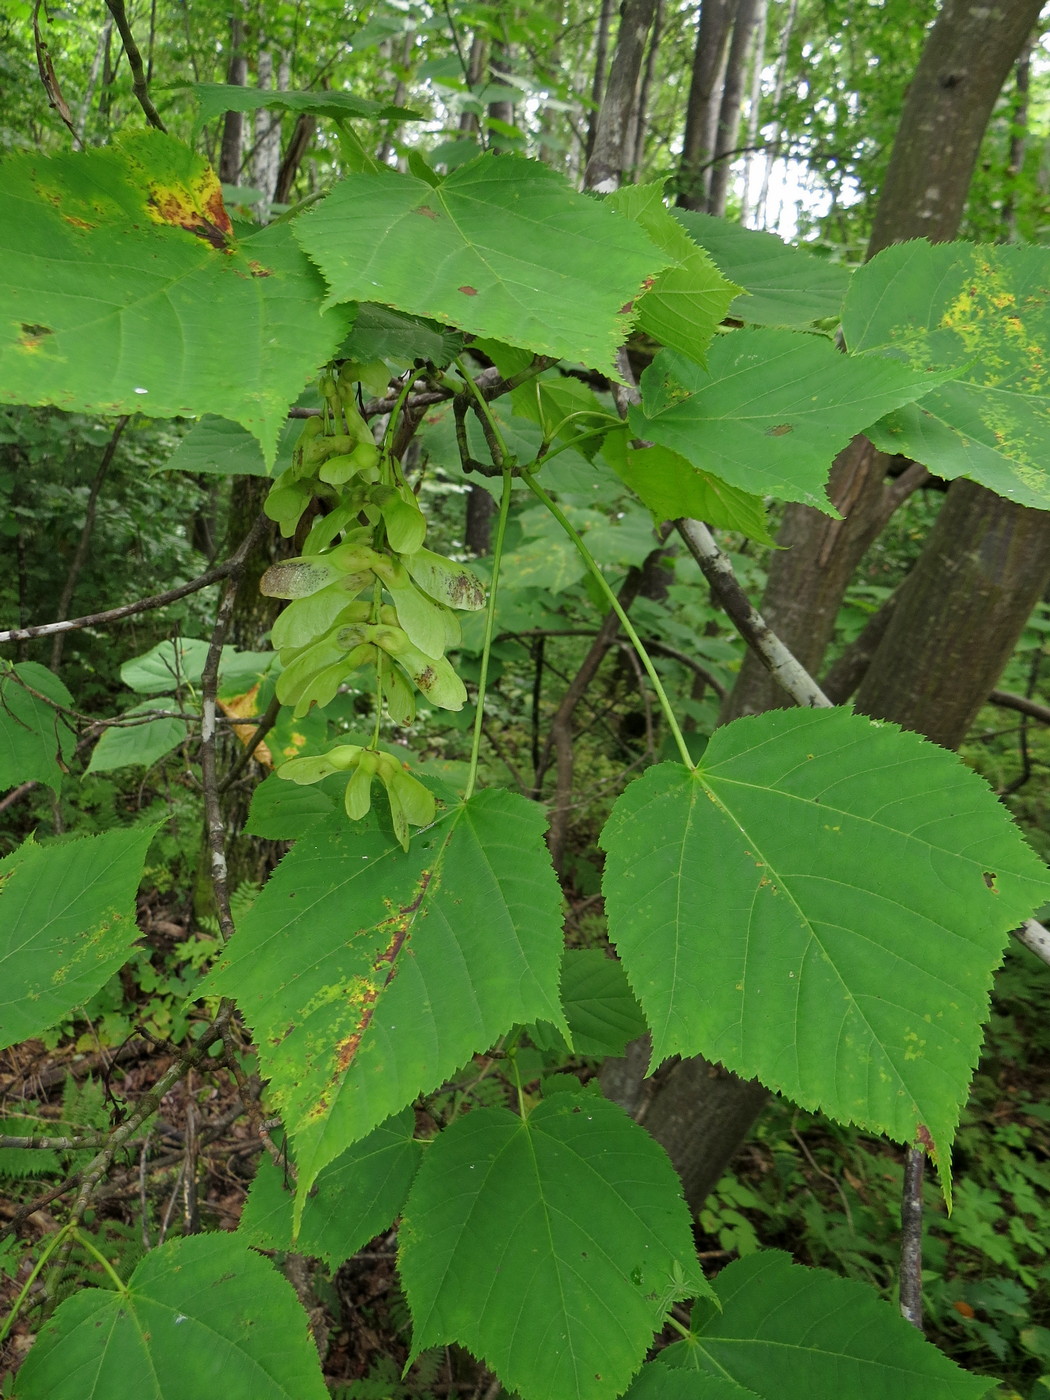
x,y
302,134
232,150
701,113
634,145
601,57
732,98
1018,139
982,571
481,511
502,110
968,55
610,157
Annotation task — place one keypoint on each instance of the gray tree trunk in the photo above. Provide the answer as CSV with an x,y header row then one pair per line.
x,y
701,113
608,159
744,22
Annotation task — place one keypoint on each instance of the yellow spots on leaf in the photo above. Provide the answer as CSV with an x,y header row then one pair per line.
x,y
193,203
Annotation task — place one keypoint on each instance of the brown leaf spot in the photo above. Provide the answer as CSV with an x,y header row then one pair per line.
x,y
469,291
259,271
428,213
78,223
199,210
988,877
33,334
780,430
626,308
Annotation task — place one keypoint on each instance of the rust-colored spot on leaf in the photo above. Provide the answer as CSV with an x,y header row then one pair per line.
x,y
197,208
780,430
78,223
259,271
428,213
469,291
626,308
368,990
963,1309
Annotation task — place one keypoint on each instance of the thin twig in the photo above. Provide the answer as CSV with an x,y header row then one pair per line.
x,y
156,600
139,85
1009,701
48,77
209,709
911,1237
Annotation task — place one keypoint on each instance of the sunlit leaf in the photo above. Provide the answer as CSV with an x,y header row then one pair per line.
x,y
821,906
552,1247
986,311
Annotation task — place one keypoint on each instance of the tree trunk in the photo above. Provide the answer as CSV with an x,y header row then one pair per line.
x,y
968,55
701,113
266,157
232,151
634,152
609,158
601,55
732,98
958,617
966,60
754,114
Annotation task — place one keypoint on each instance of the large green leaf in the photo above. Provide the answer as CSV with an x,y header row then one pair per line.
x,y
786,286
142,742
986,311
68,922
123,290
502,247
551,1246
821,905
199,1316
35,741
690,297
772,409
354,1198
788,1333
369,974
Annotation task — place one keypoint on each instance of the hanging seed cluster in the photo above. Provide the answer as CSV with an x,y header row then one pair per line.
x,y
364,594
